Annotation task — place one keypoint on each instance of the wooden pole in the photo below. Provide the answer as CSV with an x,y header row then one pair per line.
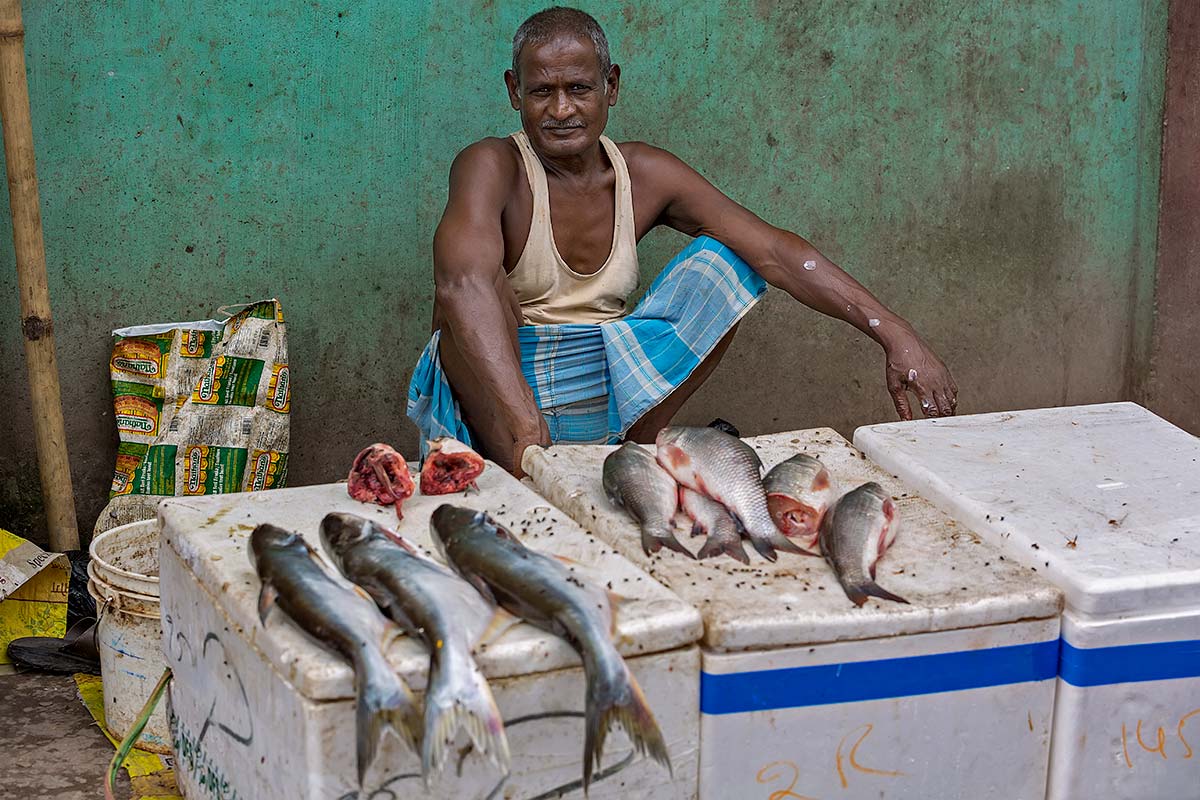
x,y
37,327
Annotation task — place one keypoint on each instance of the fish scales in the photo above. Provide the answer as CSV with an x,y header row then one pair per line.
x,y
634,480
344,621
433,604
728,470
544,591
855,534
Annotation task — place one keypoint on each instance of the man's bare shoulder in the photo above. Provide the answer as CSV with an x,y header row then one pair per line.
x,y
648,162
493,157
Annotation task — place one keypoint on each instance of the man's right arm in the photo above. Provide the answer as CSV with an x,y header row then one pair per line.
x,y
468,256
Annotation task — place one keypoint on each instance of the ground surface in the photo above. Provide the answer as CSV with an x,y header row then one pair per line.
x,y
49,745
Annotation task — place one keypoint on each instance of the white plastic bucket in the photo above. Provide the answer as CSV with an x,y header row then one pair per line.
x,y
123,578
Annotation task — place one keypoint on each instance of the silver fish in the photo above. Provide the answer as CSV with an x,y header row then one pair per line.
x,y
799,492
634,480
726,469
431,603
546,593
344,621
711,518
855,534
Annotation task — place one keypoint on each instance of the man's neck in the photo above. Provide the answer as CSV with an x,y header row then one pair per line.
x,y
577,167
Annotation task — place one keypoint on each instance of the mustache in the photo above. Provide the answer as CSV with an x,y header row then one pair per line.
x,y
559,125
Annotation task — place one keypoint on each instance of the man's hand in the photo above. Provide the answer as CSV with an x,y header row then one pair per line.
x,y
912,366
537,433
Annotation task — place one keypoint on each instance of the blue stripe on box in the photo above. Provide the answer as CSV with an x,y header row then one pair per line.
x,y
855,681
1130,663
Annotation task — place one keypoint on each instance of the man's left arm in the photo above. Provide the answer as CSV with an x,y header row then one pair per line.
x,y
787,261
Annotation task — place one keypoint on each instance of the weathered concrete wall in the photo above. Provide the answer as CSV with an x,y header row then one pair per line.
x,y
1172,387
989,169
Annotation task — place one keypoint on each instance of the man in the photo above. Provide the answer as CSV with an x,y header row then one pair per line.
x,y
536,254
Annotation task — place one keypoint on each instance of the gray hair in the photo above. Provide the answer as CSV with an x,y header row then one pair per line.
x,y
544,26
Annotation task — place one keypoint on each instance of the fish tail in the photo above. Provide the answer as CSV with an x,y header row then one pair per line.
x,y
656,537
614,697
730,547
875,590
384,700
459,697
859,594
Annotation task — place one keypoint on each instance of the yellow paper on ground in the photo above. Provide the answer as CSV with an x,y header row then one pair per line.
x,y
139,763
33,591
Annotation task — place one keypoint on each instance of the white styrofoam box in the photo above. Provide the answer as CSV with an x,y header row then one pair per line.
x,y
266,712
801,692
1103,501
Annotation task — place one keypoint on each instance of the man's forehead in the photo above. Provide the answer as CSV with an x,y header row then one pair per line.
x,y
563,56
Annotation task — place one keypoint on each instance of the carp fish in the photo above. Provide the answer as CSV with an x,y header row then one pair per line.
x,y
433,604
634,480
799,492
728,470
343,620
711,518
543,591
854,536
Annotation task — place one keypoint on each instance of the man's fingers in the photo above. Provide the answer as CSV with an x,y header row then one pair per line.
x,y
900,398
945,407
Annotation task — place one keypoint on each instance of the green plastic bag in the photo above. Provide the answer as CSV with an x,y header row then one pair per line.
x,y
201,408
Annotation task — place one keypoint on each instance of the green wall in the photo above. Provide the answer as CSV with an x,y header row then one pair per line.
x,y
989,169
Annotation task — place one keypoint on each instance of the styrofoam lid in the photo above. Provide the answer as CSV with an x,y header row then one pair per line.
x,y
211,536
950,577
1104,500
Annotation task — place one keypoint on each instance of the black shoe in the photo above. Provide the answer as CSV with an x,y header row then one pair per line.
x,y
725,427
75,652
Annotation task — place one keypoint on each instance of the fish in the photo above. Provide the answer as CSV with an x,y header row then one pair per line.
x,y
344,621
799,492
547,593
711,518
634,481
380,475
433,604
728,470
855,534
450,467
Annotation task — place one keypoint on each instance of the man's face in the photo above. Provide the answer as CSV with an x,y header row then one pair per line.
x,y
562,97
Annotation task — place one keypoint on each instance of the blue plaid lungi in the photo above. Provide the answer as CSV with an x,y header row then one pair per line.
x,y
593,382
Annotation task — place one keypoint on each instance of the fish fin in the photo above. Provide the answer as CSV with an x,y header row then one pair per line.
x,y
604,709
570,562
764,549
461,698
698,529
361,592
384,700
266,598
875,590
714,547
501,623
856,595
654,540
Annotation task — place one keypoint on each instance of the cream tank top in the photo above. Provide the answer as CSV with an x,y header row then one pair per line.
x,y
548,290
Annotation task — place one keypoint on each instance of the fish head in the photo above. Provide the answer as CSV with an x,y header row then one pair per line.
x,y
449,524
672,455
340,532
267,537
